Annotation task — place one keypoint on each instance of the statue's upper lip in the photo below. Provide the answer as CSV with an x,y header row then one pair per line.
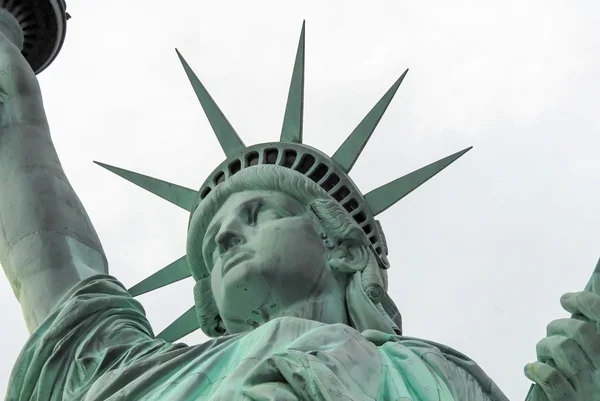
x,y
235,258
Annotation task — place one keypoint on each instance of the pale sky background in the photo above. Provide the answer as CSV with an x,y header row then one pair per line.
x,y
480,254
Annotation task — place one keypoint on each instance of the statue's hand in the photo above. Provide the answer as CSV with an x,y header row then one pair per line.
x,y
20,94
569,357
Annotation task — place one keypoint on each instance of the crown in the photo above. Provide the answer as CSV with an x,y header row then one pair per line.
x,y
330,173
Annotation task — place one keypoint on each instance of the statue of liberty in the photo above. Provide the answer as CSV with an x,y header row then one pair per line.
x,y
290,265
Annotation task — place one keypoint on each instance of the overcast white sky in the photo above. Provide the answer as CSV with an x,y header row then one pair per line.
x,y
480,254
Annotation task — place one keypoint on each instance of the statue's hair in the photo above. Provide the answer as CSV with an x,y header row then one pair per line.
x,y
336,222
337,228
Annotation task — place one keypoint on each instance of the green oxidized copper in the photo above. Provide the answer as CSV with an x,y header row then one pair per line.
x,y
290,266
330,173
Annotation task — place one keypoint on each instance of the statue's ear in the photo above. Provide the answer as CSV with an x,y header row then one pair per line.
x,y
348,256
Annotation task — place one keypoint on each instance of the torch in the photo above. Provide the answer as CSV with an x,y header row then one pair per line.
x,y
37,27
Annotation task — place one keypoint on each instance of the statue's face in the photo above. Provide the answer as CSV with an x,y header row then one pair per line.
x,y
266,256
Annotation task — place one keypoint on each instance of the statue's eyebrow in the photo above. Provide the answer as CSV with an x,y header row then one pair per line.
x,y
213,228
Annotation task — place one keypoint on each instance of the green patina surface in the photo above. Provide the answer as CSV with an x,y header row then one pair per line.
x,y
290,266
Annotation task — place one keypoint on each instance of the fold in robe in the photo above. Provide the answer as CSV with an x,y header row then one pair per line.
x,y
97,345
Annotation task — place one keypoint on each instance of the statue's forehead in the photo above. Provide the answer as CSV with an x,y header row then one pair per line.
x,y
275,198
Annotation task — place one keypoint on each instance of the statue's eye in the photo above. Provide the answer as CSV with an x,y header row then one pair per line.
x,y
253,210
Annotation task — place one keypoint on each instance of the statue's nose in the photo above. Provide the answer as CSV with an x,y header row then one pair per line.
x,y
228,239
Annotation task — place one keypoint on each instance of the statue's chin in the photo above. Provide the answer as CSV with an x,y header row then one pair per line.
x,y
245,297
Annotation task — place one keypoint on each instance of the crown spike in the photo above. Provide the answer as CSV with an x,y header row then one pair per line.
x,y
291,130
350,150
182,326
176,271
385,196
228,138
183,197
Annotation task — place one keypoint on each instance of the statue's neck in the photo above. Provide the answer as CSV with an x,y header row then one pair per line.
x,y
326,308
329,310
325,303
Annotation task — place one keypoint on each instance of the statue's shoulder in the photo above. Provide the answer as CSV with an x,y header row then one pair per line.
x,y
449,363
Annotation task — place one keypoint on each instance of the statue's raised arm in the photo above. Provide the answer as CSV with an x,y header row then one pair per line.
x,y
47,242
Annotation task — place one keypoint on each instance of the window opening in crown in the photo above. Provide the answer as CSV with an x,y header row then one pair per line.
x,y
360,217
234,167
318,172
205,192
367,229
373,239
289,157
351,205
341,193
271,156
305,163
330,182
252,159
219,178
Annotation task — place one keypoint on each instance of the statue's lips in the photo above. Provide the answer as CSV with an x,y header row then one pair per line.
x,y
235,260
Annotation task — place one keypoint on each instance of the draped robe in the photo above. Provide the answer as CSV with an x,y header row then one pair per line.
x,y
97,345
